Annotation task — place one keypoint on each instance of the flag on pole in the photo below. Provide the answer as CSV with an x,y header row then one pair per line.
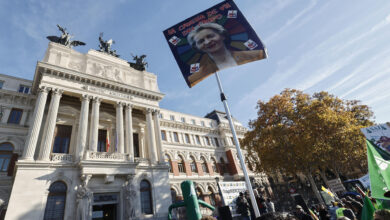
x,y
368,209
107,141
327,191
379,171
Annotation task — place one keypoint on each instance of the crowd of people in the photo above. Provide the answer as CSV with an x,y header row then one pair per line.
x,y
348,208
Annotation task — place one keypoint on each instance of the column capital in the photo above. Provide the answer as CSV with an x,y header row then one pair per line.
x,y
120,104
150,110
129,105
44,89
156,111
96,99
85,97
57,91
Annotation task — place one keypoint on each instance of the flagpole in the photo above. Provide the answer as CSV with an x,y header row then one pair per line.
x,y
237,143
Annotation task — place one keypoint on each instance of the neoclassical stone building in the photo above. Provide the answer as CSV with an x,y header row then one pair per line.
x,y
86,139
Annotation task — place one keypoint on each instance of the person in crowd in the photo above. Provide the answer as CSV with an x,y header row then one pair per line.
x,y
344,211
332,210
301,214
270,205
207,217
243,207
382,214
252,211
323,213
213,41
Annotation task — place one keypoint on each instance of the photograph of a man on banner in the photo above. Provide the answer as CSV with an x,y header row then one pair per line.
x,y
215,39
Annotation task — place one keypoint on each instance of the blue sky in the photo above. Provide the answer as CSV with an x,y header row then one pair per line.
x,y
338,46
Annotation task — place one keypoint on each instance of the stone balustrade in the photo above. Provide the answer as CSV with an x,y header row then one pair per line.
x,y
61,158
105,156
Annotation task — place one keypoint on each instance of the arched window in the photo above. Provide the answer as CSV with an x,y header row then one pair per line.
x,y
180,165
204,166
199,193
212,196
55,205
146,197
5,156
168,160
193,165
214,165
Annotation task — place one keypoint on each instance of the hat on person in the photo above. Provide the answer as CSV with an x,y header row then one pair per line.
x,y
298,207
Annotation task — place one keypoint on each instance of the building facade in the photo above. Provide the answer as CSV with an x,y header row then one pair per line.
x,y
86,139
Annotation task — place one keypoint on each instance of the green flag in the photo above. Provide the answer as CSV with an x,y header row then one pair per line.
x,y
379,170
368,210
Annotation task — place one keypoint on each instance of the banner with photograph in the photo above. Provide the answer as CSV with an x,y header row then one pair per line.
x,y
217,38
379,135
230,192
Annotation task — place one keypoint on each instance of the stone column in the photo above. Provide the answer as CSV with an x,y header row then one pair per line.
x,y
94,127
83,127
142,147
33,131
119,127
151,136
7,111
50,125
129,132
158,136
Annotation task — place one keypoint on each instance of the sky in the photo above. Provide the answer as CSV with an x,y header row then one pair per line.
x,y
337,46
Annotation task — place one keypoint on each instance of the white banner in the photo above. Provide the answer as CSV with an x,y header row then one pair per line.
x,y
230,192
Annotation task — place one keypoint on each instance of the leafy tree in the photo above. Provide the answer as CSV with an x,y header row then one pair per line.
x,y
298,133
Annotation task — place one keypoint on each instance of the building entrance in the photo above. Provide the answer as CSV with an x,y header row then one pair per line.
x,y
105,207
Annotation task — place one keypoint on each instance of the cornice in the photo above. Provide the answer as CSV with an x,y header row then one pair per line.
x,y
186,126
90,80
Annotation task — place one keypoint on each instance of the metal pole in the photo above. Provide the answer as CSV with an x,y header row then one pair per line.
x,y
240,157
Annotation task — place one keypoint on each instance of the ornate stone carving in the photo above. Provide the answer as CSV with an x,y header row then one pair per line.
x,y
84,199
130,197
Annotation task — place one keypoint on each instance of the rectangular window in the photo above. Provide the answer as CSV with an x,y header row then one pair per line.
x,y
232,141
207,141
202,123
160,115
183,120
1,84
62,139
187,137
193,121
103,145
181,168
163,135
175,137
197,139
136,145
15,116
211,124
172,117
216,142
24,89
